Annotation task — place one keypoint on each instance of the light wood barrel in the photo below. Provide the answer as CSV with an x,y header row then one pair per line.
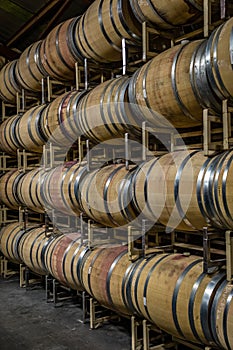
x,y
167,14
9,86
8,189
32,249
102,275
60,119
104,114
214,190
165,190
163,85
63,258
10,237
221,316
102,27
185,190
30,131
29,71
8,140
61,188
58,52
104,195
172,292
217,59
183,80
29,190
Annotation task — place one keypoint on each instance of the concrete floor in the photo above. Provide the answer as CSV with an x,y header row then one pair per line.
x,y
28,322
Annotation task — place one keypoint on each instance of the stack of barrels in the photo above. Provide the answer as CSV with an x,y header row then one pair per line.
x,y
169,91
169,290
183,190
96,35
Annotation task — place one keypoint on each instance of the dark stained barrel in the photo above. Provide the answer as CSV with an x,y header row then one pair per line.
x,y
167,14
104,113
9,86
102,27
61,188
29,70
10,237
58,52
8,139
8,189
30,131
63,257
29,190
105,197
32,249
103,274
60,119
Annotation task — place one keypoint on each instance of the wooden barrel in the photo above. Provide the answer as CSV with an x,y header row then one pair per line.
x,y
183,80
8,189
167,14
104,114
29,71
32,249
61,188
58,52
30,132
163,85
8,140
10,237
172,292
29,190
221,316
165,190
218,64
63,257
60,119
103,273
104,195
9,86
102,27
214,190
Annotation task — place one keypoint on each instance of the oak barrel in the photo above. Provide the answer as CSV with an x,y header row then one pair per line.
x,y
9,85
30,130
163,85
29,190
58,52
60,119
8,189
29,70
102,27
32,249
63,257
167,14
61,188
104,195
8,139
183,80
103,273
104,113
172,292
10,237
221,316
